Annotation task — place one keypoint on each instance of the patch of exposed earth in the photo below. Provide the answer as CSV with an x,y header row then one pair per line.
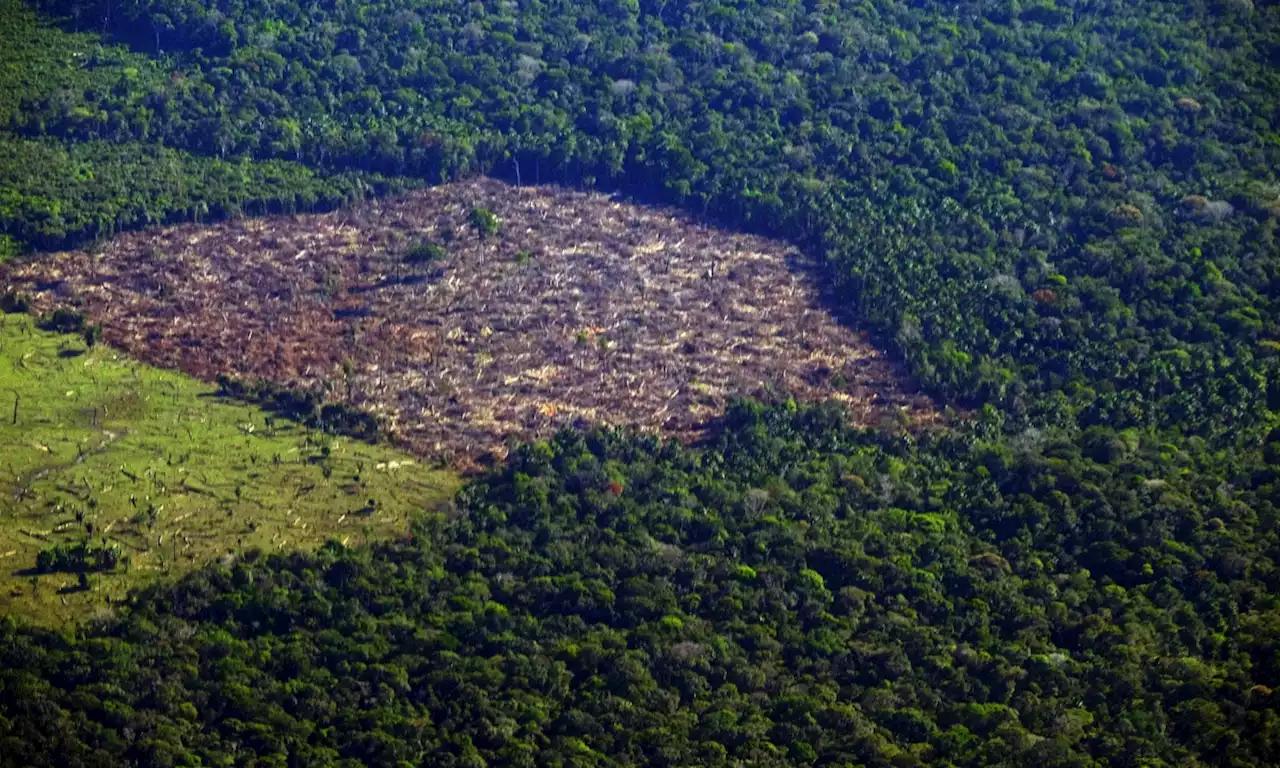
x,y
579,308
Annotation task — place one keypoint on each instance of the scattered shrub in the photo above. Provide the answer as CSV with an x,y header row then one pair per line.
x,y
13,302
424,253
64,321
81,557
303,406
485,221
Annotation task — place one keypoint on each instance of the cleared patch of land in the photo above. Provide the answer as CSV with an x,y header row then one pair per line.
x,y
104,450
578,308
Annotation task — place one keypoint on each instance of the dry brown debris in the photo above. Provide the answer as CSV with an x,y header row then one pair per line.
x,y
622,314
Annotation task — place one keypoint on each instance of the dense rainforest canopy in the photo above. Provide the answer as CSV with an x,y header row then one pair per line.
x,y
1068,210
797,594
1060,214
55,193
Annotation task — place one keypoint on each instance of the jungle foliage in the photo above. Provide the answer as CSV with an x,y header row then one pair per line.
x,y
1061,214
799,594
1067,209
56,193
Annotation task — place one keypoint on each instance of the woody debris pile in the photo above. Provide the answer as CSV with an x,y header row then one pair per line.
x,y
577,308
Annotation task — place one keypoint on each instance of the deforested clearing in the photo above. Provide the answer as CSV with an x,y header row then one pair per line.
x,y
578,307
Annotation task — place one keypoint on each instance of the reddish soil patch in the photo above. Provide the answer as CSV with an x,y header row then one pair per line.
x,y
579,308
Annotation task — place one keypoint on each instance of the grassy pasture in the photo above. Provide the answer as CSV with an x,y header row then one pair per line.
x,y
108,450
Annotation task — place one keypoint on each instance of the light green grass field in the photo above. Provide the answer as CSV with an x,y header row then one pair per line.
x,y
152,461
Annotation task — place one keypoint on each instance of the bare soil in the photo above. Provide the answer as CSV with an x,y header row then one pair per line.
x,y
579,308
